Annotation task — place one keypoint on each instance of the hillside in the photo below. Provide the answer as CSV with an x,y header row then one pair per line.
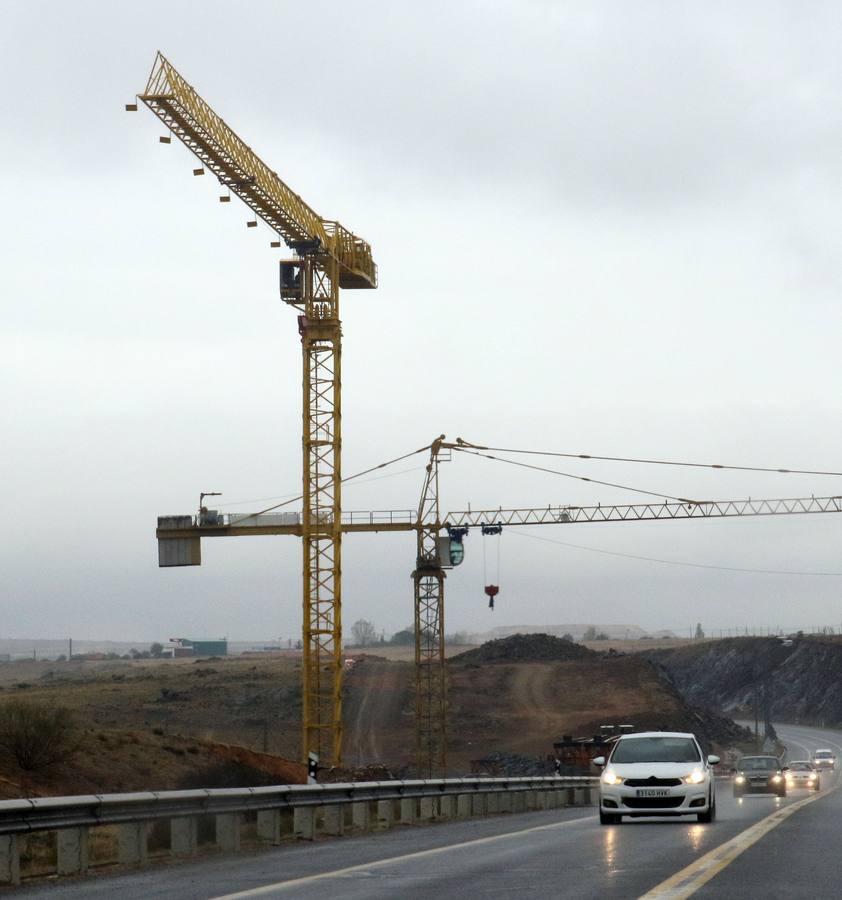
x,y
162,725
516,696
184,723
801,680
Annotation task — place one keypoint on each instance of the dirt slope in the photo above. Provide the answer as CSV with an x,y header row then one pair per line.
x,y
518,706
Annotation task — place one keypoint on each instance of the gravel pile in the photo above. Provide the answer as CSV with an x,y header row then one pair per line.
x,y
499,764
524,648
346,774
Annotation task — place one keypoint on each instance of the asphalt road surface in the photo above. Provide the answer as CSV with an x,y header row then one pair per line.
x,y
759,846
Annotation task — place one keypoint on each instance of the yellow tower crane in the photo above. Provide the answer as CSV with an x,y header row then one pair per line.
x,y
328,257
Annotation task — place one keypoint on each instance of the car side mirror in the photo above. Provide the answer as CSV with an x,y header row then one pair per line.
x,y
785,769
713,760
599,761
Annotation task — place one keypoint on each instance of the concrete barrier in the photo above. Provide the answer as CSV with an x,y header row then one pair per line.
x,y
427,809
184,840
408,811
361,816
304,823
228,832
385,814
333,821
72,851
132,843
269,826
9,859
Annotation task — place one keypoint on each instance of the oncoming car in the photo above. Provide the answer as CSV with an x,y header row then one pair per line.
x,y
656,773
759,775
801,773
824,759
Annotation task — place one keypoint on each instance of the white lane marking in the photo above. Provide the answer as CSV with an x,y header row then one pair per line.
x,y
789,740
686,882
382,863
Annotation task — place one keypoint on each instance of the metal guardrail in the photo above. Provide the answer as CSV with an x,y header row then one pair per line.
x,y
51,813
279,813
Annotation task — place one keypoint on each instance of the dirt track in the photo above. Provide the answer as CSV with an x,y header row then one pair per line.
x,y
377,713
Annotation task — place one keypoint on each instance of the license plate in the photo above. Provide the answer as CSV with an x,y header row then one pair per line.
x,y
653,792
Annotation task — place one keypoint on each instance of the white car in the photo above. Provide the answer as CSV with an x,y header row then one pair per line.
x,y
824,759
656,773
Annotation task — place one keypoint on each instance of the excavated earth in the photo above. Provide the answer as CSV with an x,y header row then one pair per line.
x,y
512,698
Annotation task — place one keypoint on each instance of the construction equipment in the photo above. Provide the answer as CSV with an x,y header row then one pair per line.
x,y
438,534
328,257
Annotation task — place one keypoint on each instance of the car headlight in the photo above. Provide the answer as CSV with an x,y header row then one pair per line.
x,y
811,778
609,777
697,776
776,778
740,779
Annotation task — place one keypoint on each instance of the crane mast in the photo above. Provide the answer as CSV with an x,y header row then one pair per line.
x,y
328,257
428,588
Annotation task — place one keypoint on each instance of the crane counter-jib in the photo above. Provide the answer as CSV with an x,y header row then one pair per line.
x,y
244,173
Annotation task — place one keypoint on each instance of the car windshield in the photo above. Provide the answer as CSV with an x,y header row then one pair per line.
x,y
823,754
656,749
758,763
800,767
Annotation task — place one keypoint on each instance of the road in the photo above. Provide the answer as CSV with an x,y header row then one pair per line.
x,y
560,853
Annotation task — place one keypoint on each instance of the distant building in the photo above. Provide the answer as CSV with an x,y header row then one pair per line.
x,y
189,647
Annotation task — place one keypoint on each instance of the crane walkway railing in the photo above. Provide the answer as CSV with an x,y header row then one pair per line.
x,y
267,814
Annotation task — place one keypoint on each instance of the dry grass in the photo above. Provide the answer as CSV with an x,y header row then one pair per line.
x,y
150,724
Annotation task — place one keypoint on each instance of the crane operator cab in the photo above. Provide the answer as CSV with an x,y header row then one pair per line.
x,y
291,282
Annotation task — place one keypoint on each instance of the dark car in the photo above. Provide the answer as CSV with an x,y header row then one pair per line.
x,y
759,775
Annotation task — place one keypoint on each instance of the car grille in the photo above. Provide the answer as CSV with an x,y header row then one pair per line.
x,y
652,802
652,782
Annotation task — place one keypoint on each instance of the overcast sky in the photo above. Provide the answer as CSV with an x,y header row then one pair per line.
x,y
600,227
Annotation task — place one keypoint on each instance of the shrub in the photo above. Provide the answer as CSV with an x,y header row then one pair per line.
x,y
36,736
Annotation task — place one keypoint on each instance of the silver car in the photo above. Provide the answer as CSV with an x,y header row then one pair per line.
x,y
801,773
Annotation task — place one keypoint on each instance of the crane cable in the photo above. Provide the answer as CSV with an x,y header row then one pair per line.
x,y
623,487
651,462
349,478
298,497
485,563
670,562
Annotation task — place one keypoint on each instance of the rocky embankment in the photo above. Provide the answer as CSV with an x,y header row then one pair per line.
x,y
795,682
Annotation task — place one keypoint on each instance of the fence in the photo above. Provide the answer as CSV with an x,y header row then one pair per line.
x,y
272,814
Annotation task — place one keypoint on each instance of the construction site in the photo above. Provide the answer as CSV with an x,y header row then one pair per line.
x,y
323,259
421,432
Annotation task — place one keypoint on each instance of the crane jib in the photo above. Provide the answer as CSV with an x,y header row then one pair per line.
x,y
241,170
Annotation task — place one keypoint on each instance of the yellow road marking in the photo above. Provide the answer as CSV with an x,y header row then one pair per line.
x,y
686,882
382,863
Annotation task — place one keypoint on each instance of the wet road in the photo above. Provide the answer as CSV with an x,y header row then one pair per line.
x,y
533,855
